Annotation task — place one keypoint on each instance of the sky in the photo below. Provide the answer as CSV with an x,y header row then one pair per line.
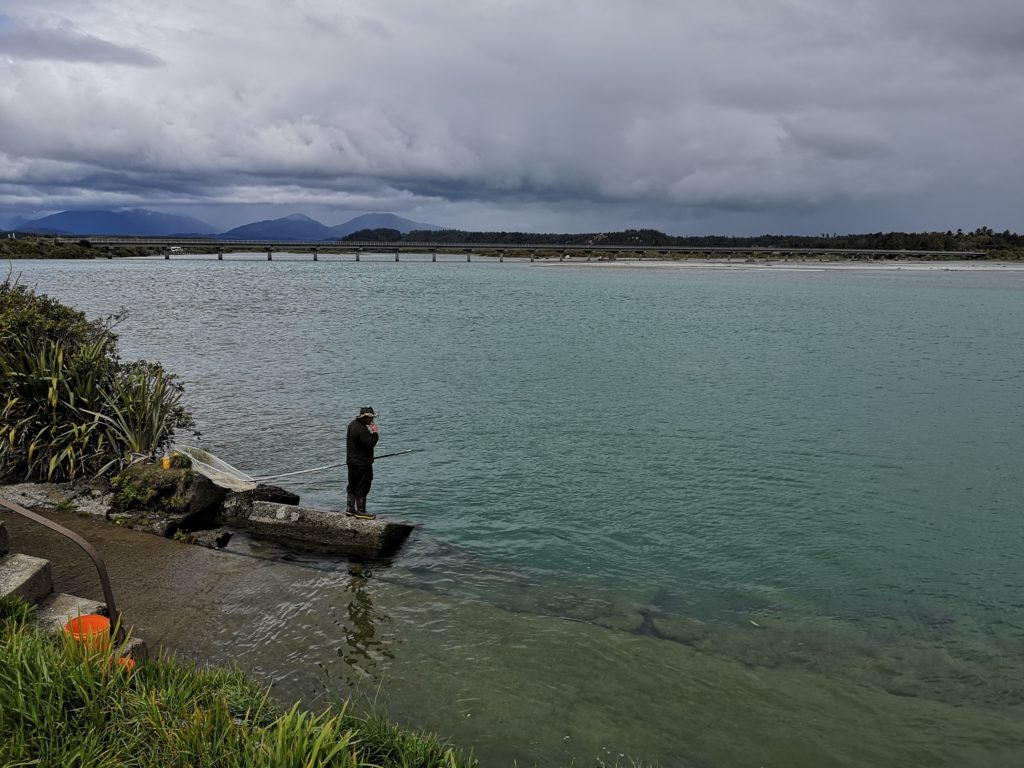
x,y
688,116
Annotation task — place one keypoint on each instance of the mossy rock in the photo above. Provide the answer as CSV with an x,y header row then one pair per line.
x,y
164,501
180,461
146,485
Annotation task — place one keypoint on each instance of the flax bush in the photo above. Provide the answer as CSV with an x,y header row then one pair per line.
x,y
69,407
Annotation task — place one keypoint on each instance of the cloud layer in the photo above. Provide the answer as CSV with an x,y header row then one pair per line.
x,y
733,116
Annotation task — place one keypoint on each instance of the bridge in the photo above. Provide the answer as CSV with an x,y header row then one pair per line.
x,y
532,251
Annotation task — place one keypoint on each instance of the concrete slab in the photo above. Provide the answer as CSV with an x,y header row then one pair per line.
x,y
84,500
327,530
29,578
57,610
135,649
40,495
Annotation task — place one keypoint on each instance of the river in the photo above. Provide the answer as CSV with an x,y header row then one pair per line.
x,y
704,517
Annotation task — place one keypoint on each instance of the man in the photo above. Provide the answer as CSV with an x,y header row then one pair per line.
x,y
361,438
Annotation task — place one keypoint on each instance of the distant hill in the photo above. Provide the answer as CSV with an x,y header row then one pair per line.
x,y
294,227
380,221
138,221
133,221
300,227
375,236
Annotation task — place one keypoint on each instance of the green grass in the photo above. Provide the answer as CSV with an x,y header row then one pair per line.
x,y
64,704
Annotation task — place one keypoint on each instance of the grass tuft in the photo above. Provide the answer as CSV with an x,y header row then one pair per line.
x,y
63,703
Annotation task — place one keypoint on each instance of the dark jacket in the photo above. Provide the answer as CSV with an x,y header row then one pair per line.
x,y
359,444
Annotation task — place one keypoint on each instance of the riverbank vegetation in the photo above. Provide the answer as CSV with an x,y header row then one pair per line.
x,y
71,407
58,248
1000,246
63,703
996,245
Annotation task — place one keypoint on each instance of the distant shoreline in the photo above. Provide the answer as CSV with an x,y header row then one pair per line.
x,y
801,266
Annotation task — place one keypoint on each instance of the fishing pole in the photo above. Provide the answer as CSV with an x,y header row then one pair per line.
x,y
331,466
396,453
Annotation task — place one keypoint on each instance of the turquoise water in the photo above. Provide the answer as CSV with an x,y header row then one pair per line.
x,y
733,492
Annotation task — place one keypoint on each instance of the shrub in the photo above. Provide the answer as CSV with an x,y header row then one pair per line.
x,y
142,407
68,405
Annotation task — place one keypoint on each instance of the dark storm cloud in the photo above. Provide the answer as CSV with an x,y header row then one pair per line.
x,y
783,114
63,42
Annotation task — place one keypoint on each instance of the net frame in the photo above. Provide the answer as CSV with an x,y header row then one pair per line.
x,y
217,470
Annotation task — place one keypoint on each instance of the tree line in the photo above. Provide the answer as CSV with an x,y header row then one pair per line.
x,y
1001,244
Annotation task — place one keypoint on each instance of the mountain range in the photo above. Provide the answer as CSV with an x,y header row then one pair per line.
x,y
299,227
141,222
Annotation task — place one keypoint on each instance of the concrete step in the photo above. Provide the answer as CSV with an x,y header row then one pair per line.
x,y
136,649
57,610
3,539
29,578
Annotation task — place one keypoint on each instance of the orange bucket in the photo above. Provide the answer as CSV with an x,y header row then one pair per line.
x,y
90,629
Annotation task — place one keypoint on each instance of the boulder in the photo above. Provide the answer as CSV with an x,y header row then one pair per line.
x,y
237,505
274,494
326,530
214,538
163,501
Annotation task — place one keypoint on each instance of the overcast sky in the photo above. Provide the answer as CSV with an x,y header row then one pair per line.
x,y
690,116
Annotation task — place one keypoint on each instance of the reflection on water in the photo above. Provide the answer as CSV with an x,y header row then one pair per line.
x,y
364,652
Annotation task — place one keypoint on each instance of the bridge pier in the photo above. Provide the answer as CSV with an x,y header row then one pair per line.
x,y
270,254
316,256
357,255
220,253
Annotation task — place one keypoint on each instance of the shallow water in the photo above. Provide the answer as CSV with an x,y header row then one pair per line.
x,y
700,517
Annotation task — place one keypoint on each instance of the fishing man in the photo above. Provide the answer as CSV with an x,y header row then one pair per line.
x,y
360,439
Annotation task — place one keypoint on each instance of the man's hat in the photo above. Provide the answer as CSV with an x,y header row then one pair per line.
x,y
367,411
